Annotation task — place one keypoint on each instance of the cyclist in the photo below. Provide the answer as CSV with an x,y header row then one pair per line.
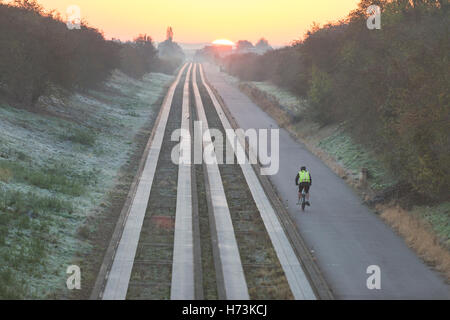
x,y
303,180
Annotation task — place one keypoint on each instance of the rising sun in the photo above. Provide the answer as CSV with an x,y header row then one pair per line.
x,y
223,42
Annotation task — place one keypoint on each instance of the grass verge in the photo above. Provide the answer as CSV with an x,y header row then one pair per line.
x,y
65,169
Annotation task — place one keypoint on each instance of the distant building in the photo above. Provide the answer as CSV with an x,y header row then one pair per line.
x,y
245,46
216,51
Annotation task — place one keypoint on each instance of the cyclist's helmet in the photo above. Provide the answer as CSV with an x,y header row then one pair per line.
x,y
303,168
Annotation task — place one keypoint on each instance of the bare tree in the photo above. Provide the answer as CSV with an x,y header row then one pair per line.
x,y
169,34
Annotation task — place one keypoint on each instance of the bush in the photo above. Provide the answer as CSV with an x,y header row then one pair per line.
x,y
320,95
168,66
37,50
138,57
84,137
22,203
54,178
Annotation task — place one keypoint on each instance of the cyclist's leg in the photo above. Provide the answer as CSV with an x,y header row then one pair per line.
x,y
300,188
307,193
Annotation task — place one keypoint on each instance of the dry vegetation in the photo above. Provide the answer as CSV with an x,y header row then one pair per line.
x,y
419,235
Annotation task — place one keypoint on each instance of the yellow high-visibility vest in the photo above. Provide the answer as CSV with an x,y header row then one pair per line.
x,y
303,176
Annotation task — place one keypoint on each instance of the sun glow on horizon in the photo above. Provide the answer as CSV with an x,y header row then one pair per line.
x,y
223,42
200,21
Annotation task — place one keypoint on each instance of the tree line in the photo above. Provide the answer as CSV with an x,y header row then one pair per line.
x,y
389,86
38,52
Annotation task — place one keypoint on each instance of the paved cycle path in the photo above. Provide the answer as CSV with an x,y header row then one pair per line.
x,y
345,235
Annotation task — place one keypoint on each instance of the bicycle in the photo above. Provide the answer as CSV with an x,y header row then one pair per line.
x,y
303,201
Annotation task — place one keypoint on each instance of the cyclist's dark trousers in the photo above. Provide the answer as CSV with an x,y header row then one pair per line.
x,y
305,185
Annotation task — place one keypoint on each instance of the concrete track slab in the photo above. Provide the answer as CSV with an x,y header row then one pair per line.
x,y
119,276
182,287
298,282
233,273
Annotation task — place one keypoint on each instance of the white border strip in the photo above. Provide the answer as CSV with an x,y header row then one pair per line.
x,y
182,287
120,273
233,273
298,282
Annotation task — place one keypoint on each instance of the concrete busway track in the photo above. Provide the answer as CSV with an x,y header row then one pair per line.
x,y
160,249
298,281
235,285
183,286
271,267
119,260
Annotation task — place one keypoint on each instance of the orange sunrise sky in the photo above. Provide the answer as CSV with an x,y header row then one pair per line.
x,y
195,21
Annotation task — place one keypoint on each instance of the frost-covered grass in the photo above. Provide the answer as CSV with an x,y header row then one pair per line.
x,y
228,78
354,156
56,169
284,97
